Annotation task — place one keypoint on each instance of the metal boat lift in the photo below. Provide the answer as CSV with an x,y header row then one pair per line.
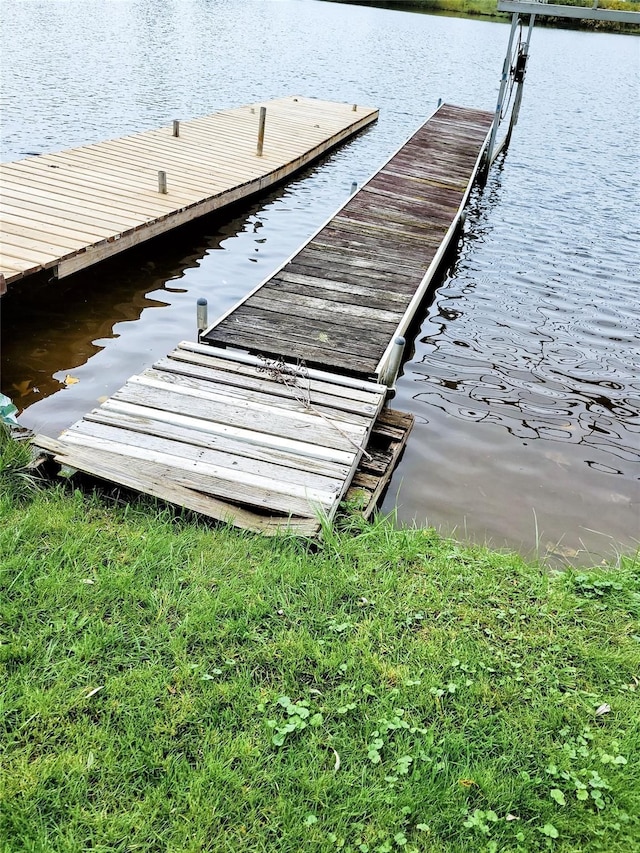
x,y
515,62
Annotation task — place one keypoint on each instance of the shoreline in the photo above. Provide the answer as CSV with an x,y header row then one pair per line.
x,y
486,10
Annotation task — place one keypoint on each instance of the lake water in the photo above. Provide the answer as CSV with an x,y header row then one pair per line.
x,y
524,375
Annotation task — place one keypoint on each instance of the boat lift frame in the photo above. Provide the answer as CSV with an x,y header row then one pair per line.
x,y
516,67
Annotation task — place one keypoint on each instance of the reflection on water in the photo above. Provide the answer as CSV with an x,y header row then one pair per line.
x,y
69,321
524,372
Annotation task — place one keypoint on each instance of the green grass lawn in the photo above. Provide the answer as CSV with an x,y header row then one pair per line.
x,y
170,686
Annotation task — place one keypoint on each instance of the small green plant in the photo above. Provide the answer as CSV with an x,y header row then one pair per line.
x,y
298,718
17,477
481,820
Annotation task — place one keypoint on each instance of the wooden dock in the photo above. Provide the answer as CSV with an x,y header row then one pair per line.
x,y
69,210
340,301
264,422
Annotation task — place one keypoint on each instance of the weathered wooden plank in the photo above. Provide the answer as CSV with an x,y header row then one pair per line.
x,y
296,405
272,298
222,482
342,291
287,392
273,344
358,383
302,416
202,437
167,445
232,431
155,480
371,298
312,431
327,266
308,331
366,257
382,241
345,395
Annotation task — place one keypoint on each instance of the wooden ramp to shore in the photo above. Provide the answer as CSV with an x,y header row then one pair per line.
x,y
264,422
262,446
69,210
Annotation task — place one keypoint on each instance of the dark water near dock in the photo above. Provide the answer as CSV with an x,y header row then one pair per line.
x,y
525,371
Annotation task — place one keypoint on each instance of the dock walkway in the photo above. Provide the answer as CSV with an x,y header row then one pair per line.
x,y
264,421
69,210
355,285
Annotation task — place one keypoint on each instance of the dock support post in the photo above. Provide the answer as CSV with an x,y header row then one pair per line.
x,y
202,318
176,127
390,373
162,182
261,122
521,70
506,68
354,187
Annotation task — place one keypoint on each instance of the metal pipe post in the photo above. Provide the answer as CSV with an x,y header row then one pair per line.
x,y
506,67
390,373
162,182
176,127
202,318
261,121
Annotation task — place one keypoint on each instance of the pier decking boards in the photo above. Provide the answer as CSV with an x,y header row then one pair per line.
x,y
356,284
255,445
263,423
69,210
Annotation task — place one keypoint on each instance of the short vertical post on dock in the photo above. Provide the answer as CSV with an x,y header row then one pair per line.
x,y
162,182
261,122
355,108
390,373
354,187
176,127
202,318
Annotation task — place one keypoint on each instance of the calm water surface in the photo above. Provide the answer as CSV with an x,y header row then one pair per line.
x,y
524,375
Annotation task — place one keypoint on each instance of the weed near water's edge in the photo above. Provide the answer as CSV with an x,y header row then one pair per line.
x,y
170,685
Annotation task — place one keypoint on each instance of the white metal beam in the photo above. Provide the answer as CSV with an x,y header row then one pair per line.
x,y
584,12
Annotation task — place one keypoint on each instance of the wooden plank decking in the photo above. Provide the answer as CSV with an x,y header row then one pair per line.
x,y
68,210
356,284
270,438
259,446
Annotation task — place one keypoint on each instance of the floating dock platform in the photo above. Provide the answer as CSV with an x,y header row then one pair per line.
x,y
265,422
66,211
